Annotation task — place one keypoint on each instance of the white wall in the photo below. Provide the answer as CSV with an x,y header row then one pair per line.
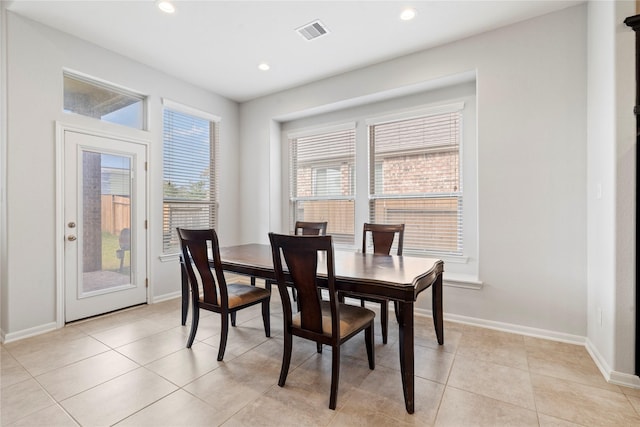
x,y
531,104
36,58
611,211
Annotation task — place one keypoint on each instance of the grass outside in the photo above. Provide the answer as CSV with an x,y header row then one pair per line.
x,y
110,246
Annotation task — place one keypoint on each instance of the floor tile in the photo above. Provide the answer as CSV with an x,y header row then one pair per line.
x,y
187,364
22,399
11,372
504,383
177,409
51,416
154,347
117,399
128,333
502,348
462,408
582,404
549,421
380,397
72,379
59,354
565,361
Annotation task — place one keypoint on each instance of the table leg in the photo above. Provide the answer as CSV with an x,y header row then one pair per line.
x,y
407,353
436,306
185,293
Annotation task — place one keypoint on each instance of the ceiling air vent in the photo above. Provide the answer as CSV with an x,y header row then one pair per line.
x,y
313,30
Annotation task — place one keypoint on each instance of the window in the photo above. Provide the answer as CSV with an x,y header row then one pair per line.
x,y
415,179
103,102
190,196
415,163
322,180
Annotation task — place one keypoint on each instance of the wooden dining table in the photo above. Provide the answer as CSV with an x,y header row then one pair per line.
x,y
398,278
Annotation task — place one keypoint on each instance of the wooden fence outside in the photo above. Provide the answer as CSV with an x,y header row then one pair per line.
x,y
116,213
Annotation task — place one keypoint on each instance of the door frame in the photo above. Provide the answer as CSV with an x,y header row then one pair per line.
x,y
60,230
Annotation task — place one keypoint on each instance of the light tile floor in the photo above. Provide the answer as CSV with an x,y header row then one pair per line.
x,y
131,368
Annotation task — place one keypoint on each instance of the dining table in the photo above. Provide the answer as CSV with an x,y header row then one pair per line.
x,y
399,278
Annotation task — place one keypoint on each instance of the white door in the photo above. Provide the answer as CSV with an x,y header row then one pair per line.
x,y
104,224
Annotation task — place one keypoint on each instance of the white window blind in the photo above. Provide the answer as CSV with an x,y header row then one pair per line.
x,y
415,179
322,183
190,196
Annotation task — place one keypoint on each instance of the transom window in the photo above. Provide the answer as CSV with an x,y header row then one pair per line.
x,y
103,101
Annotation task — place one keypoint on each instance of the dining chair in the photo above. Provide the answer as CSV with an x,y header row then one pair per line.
x,y
382,236
325,322
218,296
302,228
306,228
124,243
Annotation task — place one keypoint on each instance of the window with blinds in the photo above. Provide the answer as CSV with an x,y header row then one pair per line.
x,y
190,196
415,179
322,183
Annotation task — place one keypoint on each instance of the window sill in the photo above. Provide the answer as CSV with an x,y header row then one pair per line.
x,y
169,257
462,281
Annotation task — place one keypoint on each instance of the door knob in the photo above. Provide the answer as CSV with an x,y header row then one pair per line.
x,y
72,224
71,238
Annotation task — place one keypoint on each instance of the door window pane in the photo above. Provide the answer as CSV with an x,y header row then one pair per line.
x,y
106,222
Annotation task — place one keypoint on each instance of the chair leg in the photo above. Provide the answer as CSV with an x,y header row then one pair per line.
x,y
335,375
253,281
195,319
361,303
286,358
371,349
384,319
319,347
266,318
223,335
185,294
233,318
397,311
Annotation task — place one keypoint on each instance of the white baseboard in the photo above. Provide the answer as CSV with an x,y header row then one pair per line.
x,y
26,333
166,297
508,327
612,377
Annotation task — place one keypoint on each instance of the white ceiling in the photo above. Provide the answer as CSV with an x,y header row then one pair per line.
x,y
218,45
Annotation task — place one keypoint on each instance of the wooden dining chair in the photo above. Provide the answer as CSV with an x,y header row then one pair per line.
x,y
325,322
218,296
382,236
302,228
306,228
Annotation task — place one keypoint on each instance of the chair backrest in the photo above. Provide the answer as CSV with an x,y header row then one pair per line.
x,y
197,246
383,235
124,240
306,228
301,255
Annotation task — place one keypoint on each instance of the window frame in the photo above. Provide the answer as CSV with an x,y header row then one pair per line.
x,y
104,85
374,194
461,271
213,202
346,239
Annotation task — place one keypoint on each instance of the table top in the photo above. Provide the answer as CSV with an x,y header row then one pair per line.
x,y
396,277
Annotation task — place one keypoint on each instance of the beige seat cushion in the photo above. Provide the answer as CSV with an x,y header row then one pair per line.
x,y
352,318
243,294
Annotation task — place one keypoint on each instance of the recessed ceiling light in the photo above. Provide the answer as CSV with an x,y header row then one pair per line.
x,y
408,14
166,6
263,66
